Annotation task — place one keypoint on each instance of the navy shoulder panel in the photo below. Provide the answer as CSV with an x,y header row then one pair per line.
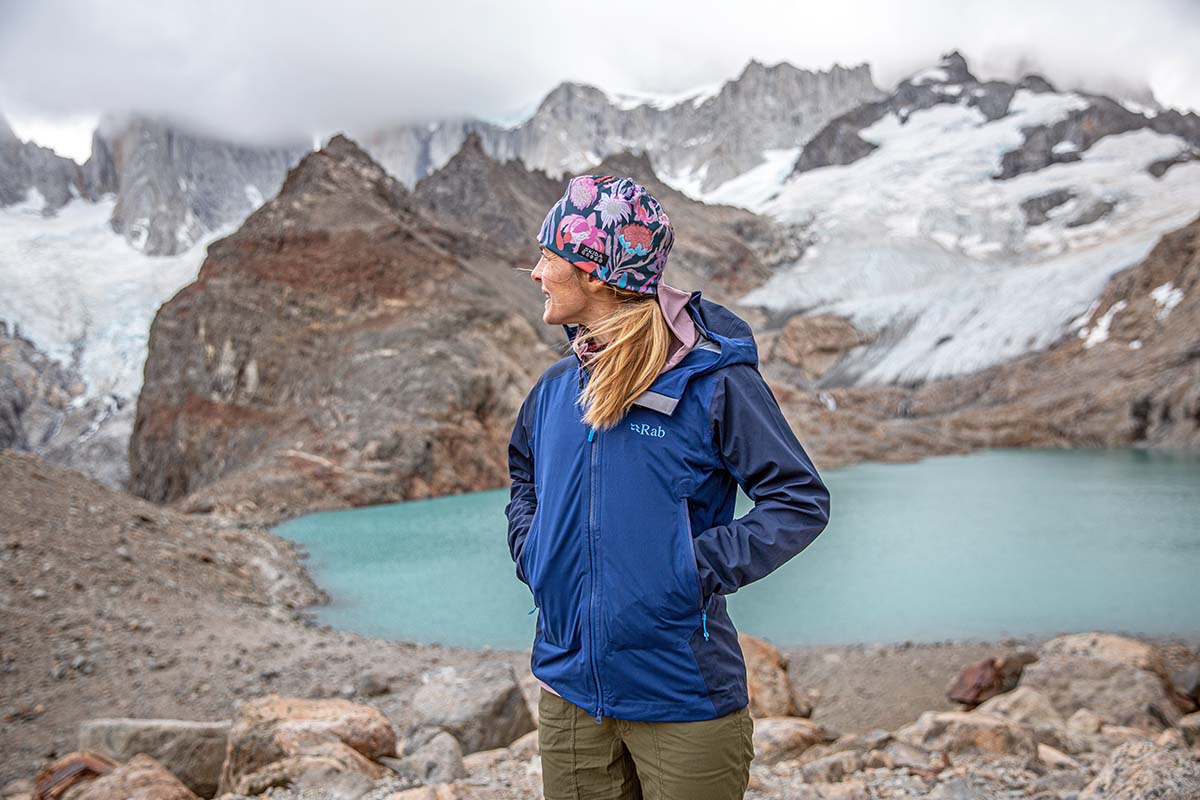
x,y
558,367
719,319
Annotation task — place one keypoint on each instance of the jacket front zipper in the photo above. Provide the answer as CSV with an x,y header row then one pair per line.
x,y
593,557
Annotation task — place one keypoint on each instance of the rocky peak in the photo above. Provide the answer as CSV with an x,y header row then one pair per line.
x,y
504,201
6,133
757,73
631,163
955,66
569,96
1035,83
175,186
343,347
950,70
700,138
339,168
336,188
24,166
471,150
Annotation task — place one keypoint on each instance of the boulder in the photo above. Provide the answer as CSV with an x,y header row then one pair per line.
x,y
483,707
1108,647
957,787
191,751
848,790
439,760
1054,758
861,742
1059,783
1185,687
1113,735
767,680
779,738
1138,770
1085,722
988,678
1189,726
1031,707
1112,687
139,778
372,684
276,739
311,763
1172,739
908,756
526,747
832,768
969,732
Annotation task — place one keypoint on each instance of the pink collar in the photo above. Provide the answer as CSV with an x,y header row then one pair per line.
x,y
684,334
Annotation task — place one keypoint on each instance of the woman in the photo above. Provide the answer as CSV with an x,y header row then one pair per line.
x,y
625,461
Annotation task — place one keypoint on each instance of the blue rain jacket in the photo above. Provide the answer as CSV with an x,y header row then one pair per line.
x,y
626,536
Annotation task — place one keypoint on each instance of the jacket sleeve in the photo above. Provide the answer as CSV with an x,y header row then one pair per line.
x,y
522,501
791,503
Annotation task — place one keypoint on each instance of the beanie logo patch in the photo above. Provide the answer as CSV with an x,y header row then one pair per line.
x,y
592,254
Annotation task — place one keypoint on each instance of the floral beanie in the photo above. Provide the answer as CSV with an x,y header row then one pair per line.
x,y
612,228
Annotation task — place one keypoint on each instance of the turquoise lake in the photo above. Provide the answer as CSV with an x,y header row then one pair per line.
x,y
998,542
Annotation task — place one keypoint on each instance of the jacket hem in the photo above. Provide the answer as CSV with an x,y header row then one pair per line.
x,y
719,705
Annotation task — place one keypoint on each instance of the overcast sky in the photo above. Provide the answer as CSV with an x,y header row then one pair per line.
x,y
267,71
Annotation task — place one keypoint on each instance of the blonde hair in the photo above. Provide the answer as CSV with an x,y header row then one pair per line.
x,y
638,342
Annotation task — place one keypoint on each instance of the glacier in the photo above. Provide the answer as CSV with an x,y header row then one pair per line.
x,y
918,244
77,289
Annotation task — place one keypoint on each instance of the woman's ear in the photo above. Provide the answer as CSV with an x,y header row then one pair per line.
x,y
592,283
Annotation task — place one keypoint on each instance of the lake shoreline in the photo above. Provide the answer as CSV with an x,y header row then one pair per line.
x,y
182,616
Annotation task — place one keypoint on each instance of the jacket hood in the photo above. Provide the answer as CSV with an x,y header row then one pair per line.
x,y
726,339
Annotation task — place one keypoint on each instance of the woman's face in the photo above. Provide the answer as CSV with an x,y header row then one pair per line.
x,y
568,299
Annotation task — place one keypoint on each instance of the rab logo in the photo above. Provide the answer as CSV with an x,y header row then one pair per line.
x,y
646,430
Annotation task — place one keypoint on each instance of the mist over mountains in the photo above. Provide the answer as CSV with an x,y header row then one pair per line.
x,y
937,229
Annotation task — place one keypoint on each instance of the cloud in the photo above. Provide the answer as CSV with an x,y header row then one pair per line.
x,y
262,72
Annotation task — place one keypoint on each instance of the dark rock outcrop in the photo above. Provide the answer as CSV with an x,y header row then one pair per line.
x,y
344,347
25,166
502,201
949,82
43,410
1037,209
1063,141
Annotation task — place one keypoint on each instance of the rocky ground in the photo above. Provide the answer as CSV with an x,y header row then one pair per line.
x,y
114,607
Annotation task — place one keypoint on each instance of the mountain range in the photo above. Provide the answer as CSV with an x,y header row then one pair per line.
x,y
885,244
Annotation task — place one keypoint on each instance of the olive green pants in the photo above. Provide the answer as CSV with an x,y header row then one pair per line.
x,y
623,760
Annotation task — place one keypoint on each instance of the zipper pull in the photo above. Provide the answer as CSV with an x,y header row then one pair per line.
x,y
598,715
704,622
591,434
530,611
